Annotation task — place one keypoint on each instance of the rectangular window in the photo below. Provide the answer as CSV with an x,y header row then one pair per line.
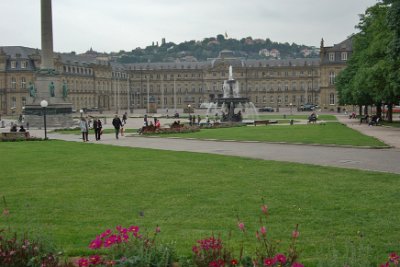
x,y
23,64
13,102
13,83
331,99
332,77
23,83
344,56
23,101
331,56
13,64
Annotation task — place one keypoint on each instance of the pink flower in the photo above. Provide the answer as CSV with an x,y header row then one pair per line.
x,y
96,244
133,229
105,233
384,265
158,229
296,264
83,262
95,259
263,230
295,234
241,226
269,262
393,257
281,258
264,209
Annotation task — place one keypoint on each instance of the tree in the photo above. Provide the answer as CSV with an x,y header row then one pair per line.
x,y
366,80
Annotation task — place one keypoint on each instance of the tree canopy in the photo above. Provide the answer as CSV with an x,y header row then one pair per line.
x,y
372,74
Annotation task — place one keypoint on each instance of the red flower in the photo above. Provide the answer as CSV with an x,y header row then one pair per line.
x,y
241,226
281,258
83,262
263,230
393,257
296,264
96,244
234,262
269,261
95,259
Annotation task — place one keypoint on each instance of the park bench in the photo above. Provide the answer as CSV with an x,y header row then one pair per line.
x,y
261,122
15,135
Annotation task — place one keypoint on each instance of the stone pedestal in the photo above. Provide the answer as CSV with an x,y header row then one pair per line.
x,y
59,110
57,115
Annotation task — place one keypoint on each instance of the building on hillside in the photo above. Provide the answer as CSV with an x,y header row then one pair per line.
x,y
110,86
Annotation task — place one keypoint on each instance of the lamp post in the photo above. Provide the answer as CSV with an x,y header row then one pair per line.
x,y
189,106
291,105
44,105
81,111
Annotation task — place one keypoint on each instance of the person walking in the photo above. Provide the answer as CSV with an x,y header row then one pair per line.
x,y
124,118
117,123
97,128
84,130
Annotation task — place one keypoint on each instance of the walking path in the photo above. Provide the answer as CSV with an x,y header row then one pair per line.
x,y
384,160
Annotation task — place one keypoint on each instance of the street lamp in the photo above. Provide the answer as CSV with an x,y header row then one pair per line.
x,y
44,105
189,106
81,111
291,105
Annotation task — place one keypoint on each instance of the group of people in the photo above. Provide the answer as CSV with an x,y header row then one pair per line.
x,y
192,120
84,126
15,129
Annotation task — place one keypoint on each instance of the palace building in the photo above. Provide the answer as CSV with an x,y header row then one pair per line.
x,y
95,81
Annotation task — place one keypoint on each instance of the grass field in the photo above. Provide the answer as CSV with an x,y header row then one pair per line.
x,y
332,133
329,133
72,191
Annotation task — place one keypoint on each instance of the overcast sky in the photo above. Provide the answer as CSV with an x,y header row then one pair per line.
x,y
113,25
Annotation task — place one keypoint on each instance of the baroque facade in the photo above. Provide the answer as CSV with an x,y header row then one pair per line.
x,y
96,82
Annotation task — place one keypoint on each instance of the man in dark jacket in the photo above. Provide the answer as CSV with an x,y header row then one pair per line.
x,y
117,125
97,128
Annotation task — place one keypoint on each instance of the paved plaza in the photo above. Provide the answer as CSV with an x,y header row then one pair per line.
x,y
383,160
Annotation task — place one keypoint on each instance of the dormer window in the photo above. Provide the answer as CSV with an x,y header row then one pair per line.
x,y
13,64
23,64
344,56
331,56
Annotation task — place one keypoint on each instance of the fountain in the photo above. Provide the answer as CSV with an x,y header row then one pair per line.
x,y
232,105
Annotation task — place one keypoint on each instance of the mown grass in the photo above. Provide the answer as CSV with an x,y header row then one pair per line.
x,y
73,191
329,133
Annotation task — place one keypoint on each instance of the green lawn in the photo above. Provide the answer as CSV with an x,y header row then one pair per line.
x,y
329,133
72,191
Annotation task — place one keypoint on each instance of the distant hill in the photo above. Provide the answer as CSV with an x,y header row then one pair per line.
x,y
210,47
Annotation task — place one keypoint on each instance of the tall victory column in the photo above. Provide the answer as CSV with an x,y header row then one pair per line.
x,y
48,85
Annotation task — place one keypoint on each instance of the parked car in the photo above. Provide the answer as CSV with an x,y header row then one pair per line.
x,y
308,107
266,109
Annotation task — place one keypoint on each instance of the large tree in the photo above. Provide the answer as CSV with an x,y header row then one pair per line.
x,y
367,78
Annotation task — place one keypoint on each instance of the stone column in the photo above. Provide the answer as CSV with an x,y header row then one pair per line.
x,y
47,35
48,85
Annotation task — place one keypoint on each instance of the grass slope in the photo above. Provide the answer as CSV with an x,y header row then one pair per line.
x,y
73,191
